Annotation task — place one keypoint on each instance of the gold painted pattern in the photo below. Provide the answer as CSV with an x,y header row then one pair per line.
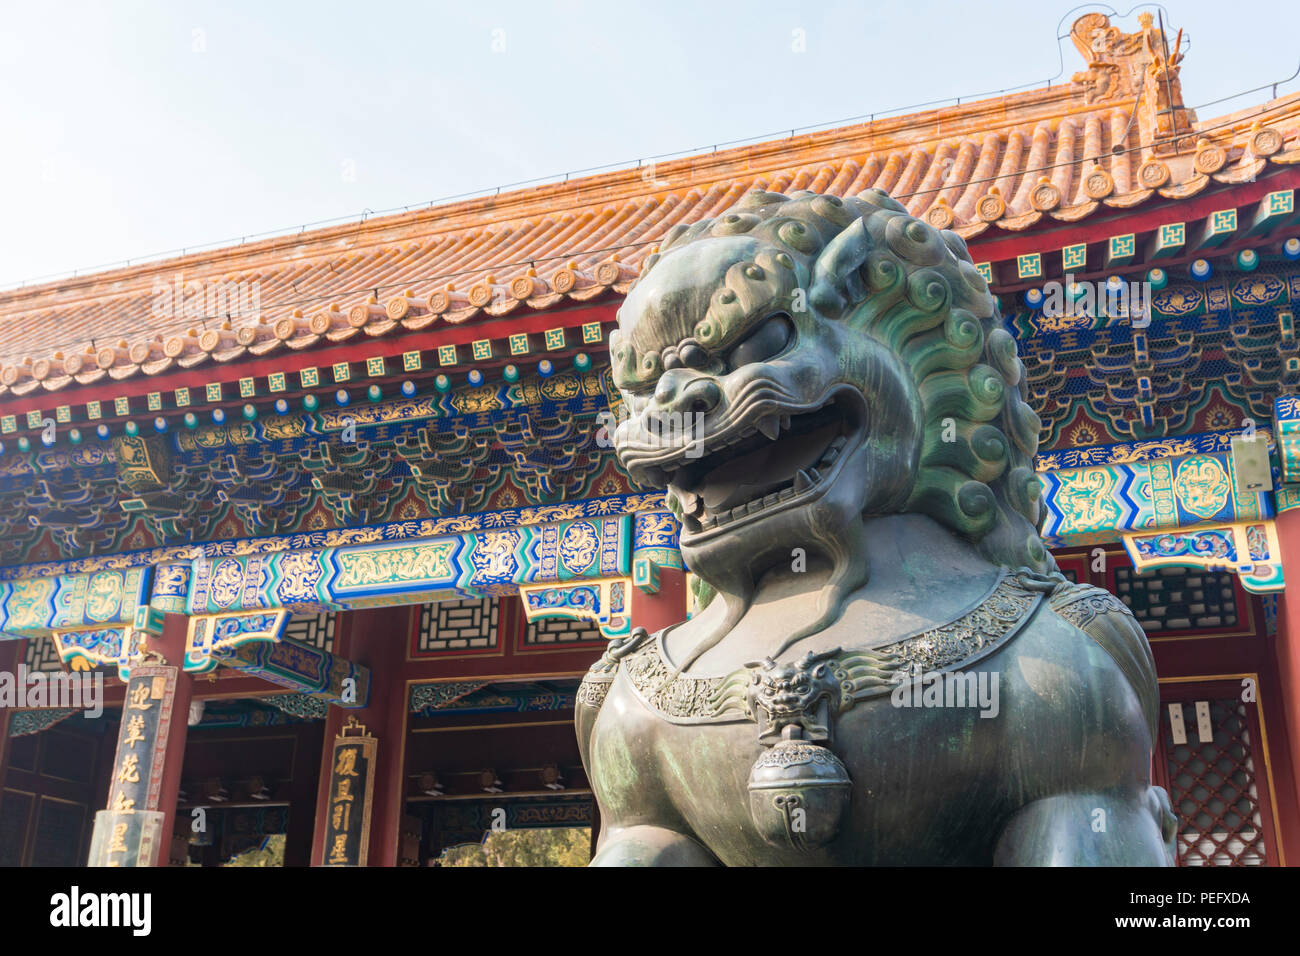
x,y
429,562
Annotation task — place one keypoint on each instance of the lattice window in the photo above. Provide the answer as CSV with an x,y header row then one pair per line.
x,y
459,625
1177,599
314,629
15,811
42,655
554,630
1213,789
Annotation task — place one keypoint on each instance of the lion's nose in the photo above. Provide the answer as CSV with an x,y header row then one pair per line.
x,y
683,393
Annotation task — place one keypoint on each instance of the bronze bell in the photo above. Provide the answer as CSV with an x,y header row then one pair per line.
x,y
798,792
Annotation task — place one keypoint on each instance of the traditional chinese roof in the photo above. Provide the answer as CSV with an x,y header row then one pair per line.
x,y
1115,137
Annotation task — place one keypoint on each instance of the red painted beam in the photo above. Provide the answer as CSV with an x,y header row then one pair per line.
x,y
509,665
224,688
290,361
1138,270
1144,218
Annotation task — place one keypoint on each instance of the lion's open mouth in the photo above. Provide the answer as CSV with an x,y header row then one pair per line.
x,y
765,466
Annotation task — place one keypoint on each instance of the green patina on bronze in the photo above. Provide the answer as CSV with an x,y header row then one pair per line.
x,y
824,387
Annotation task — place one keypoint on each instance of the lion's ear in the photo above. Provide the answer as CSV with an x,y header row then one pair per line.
x,y
837,277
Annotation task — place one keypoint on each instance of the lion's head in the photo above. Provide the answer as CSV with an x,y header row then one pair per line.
x,y
803,361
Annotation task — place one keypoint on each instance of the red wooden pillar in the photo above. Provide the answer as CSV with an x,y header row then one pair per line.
x,y
160,764
11,654
376,638
1287,644
171,645
666,606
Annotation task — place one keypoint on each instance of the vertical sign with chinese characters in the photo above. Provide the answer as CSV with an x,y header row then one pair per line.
x,y
120,839
352,781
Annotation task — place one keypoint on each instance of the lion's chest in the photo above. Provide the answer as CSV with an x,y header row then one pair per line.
x,y
912,781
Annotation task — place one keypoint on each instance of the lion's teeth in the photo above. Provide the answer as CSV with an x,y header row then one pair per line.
x,y
802,481
769,426
785,422
739,512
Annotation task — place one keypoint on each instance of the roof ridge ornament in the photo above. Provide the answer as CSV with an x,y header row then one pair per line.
x,y
1142,67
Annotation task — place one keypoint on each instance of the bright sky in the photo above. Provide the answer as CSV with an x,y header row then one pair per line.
x,y
133,128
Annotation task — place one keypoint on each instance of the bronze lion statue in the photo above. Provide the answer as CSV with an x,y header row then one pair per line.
x,y
889,669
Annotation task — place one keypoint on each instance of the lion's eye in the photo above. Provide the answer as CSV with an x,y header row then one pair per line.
x,y
767,341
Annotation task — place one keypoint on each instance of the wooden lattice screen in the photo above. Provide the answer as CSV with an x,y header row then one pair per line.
x,y
1214,790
